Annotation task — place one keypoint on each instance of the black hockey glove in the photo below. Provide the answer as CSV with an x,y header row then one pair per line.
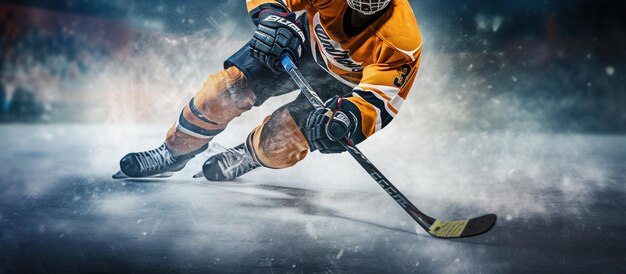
x,y
328,126
276,33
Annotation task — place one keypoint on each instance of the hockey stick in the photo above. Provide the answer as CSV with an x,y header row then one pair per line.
x,y
434,227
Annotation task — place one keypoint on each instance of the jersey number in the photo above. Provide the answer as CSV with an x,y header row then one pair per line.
x,y
399,81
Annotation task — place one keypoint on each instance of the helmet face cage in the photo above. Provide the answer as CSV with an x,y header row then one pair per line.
x,y
368,7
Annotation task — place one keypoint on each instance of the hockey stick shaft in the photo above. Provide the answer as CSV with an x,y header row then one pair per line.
x,y
422,219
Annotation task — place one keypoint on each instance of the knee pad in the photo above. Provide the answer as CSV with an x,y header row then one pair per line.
x,y
224,96
278,142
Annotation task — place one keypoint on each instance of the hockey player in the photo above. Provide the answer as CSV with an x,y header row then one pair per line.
x,y
359,55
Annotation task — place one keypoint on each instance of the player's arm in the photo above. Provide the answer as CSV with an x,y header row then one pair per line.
x,y
371,105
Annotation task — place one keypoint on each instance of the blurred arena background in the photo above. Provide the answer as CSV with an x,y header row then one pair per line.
x,y
519,109
559,64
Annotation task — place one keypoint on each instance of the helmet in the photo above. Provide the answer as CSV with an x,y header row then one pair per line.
x,y
368,7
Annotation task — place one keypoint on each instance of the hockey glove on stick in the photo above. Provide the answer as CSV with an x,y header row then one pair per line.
x,y
326,127
276,34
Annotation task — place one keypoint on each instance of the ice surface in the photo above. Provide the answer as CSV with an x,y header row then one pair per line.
x,y
560,198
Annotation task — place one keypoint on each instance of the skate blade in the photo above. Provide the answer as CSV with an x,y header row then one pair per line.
x,y
214,148
198,175
121,175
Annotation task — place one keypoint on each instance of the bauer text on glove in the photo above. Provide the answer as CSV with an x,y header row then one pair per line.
x,y
276,33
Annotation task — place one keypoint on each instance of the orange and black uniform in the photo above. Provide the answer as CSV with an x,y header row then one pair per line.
x,y
373,68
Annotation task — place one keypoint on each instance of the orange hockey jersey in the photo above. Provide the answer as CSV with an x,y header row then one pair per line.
x,y
379,63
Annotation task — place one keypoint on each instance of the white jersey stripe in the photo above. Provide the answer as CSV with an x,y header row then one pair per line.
x,y
411,53
389,91
394,99
396,102
379,120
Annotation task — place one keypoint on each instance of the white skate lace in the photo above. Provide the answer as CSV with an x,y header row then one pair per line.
x,y
236,161
155,159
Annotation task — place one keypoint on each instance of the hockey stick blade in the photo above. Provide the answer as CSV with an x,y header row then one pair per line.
x,y
436,228
462,229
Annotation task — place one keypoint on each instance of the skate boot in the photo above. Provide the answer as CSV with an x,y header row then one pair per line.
x,y
229,165
154,162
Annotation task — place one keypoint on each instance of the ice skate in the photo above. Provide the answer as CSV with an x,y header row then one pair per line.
x,y
158,162
229,165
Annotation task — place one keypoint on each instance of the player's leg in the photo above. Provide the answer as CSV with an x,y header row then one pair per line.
x,y
226,94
